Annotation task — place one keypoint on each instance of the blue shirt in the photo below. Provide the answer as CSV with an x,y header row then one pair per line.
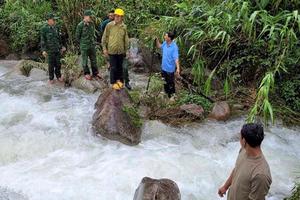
x,y
169,56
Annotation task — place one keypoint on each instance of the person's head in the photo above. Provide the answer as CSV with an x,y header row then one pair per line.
x,y
119,14
169,37
87,16
111,15
252,134
50,19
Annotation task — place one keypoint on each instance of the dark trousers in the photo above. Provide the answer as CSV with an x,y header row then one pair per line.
x,y
89,53
169,84
116,68
54,65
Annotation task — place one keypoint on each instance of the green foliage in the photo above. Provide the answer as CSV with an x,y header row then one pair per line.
x,y
134,116
295,193
156,85
22,21
186,98
289,91
71,71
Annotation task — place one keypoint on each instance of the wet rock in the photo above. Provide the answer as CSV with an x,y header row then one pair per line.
x,y
193,109
12,56
25,66
220,112
4,49
162,189
38,75
111,121
87,85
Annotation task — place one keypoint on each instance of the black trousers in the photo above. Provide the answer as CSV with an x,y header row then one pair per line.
x,y
116,68
54,65
169,78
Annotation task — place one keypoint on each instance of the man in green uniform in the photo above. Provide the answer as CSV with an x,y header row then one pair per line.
x,y
52,47
115,44
85,35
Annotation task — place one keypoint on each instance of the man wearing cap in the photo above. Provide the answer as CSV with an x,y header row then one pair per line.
x,y
115,44
51,46
251,177
85,35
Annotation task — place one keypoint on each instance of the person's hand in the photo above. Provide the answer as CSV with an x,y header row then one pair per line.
x,y
105,52
63,49
222,191
44,54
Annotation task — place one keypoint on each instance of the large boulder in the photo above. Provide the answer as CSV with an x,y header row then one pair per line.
x,y
162,189
111,119
220,111
193,109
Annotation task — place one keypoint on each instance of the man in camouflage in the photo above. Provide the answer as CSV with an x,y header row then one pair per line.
x,y
85,35
52,47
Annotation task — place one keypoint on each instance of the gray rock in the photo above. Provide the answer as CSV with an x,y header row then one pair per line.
x,y
111,121
38,75
153,189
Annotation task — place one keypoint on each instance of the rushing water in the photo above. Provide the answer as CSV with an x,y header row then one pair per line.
x,y
48,152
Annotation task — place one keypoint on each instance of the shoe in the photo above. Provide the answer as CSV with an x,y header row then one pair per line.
x,y
88,77
51,82
121,85
116,86
128,86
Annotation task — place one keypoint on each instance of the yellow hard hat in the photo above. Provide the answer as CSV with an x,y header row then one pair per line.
x,y
119,11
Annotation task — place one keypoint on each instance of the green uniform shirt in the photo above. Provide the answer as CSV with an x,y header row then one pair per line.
x,y
115,38
85,35
50,39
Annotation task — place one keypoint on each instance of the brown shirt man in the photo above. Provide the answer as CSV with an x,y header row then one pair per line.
x,y
251,178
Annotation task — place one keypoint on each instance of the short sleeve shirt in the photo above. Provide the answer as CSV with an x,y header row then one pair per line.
x,y
169,56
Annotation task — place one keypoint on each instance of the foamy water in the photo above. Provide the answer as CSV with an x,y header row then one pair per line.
x,y
48,151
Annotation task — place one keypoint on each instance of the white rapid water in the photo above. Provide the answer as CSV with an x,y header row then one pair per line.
x,y
48,152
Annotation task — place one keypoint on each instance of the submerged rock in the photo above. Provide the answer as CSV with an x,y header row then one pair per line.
x,y
88,86
111,121
162,189
220,111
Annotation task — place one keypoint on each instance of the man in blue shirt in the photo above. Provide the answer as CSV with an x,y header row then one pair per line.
x,y
170,62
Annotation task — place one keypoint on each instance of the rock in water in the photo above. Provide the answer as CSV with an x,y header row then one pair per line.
x,y
221,111
162,189
111,121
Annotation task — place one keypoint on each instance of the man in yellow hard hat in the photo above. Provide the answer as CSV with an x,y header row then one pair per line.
x,y
115,43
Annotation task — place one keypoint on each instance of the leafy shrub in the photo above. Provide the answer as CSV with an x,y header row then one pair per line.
x,y
22,21
186,98
290,92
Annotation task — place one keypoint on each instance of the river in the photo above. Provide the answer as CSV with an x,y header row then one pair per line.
x,y
48,151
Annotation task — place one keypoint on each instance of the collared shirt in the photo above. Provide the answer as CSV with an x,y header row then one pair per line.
x,y
85,35
103,25
115,38
169,56
50,39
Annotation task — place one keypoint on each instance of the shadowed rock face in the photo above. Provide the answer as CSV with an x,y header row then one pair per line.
x,y
154,189
111,121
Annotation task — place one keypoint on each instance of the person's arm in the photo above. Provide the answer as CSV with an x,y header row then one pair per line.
x,y
176,58
260,186
43,42
177,67
78,33
104,40
222,190
126,40
158,44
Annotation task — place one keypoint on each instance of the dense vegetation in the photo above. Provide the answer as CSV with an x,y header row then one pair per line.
x,y
253,44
